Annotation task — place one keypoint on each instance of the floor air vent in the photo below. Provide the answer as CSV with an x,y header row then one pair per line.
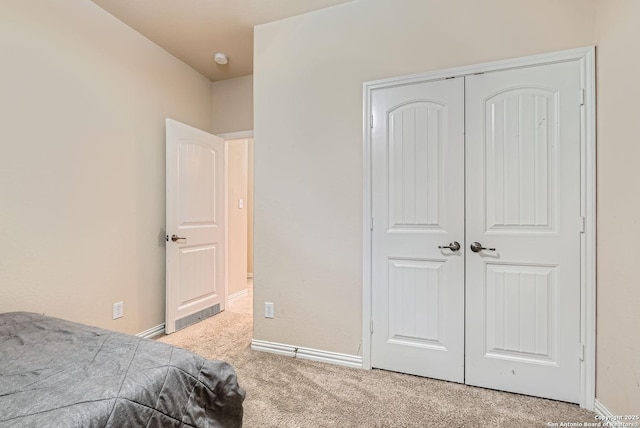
x,y
197,316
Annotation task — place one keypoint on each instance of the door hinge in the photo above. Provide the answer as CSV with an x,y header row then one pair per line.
x,y
371,224
581,352
582,96
371,122
582,224
371,325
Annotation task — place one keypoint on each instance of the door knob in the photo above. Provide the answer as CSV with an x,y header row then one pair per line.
x,y
454,246
176,238
476,247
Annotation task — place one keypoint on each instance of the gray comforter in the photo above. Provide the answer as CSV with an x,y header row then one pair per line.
x,y
56,373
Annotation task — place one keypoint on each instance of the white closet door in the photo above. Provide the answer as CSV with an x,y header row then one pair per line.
x,y
418,205
523,199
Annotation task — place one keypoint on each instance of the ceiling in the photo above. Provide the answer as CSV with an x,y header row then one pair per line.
x,y
193,30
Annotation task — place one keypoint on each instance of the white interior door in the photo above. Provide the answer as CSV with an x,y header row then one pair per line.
x,y
505,314
523,199
195,283
418,206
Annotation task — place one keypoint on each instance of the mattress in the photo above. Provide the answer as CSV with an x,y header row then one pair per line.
x,y
56,373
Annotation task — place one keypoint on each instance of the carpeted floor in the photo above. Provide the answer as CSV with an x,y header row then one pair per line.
x,y
287,392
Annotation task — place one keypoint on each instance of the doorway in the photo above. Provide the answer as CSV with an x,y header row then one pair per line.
x,y
239,162
477,197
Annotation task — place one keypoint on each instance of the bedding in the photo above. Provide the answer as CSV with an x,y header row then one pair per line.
x,y
56,373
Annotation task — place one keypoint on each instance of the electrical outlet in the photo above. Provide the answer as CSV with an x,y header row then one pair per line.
x,y
118,310
268,310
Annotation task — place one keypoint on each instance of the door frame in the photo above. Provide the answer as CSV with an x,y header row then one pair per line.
x,y
586,58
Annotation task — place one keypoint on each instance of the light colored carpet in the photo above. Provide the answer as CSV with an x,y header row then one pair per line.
x,y
287,392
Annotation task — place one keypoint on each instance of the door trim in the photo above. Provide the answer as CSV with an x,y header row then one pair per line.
x,y
236,135
586,58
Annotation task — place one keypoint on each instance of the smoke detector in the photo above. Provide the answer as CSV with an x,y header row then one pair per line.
x,y
220,58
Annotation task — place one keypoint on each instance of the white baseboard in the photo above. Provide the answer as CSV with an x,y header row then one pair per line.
x,y
238,295
152,332
354,361
602,410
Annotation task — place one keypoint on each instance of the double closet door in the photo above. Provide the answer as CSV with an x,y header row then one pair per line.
x,y
476,230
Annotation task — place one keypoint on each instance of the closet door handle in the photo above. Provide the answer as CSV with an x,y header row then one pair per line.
x,y
176,238
454,246
476,247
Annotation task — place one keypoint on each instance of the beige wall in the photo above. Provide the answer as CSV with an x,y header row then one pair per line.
x,y
618,361
83,103
233,112
309,72
250,207
237,164
232,105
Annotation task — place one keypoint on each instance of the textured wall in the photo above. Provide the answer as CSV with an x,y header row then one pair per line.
x,y
83,102
618,359
308,78
232,105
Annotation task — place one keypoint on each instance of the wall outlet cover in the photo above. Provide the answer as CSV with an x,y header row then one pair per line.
x,y
118,310
268,310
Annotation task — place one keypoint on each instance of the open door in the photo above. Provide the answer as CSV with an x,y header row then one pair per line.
x,y
195,255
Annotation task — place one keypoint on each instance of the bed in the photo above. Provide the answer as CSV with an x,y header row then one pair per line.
x,y
56,373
